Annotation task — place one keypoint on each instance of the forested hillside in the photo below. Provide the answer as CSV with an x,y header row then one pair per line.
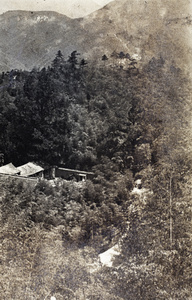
x,y
123,123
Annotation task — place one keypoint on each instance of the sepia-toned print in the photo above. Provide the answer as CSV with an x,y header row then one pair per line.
x,y
95,150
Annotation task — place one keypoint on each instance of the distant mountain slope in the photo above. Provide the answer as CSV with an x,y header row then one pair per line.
x,y
31,39
146,28
142,28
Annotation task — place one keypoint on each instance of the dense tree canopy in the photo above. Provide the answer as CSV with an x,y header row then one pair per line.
x,y
123,123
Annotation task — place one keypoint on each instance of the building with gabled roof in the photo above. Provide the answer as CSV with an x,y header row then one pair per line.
x,y
9,169
30,170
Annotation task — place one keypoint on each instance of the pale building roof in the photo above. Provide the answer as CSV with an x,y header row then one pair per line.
x,y
9,169
29,169
107,257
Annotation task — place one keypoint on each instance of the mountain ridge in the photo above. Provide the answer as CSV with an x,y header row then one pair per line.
x,y
31,39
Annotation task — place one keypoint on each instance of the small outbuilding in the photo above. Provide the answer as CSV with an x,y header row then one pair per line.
x,y
31,170
70,174
9,169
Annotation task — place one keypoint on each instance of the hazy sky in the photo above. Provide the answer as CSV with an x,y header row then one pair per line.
x,y
71,8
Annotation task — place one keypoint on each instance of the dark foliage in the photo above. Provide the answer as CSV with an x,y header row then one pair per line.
x,y
123,126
